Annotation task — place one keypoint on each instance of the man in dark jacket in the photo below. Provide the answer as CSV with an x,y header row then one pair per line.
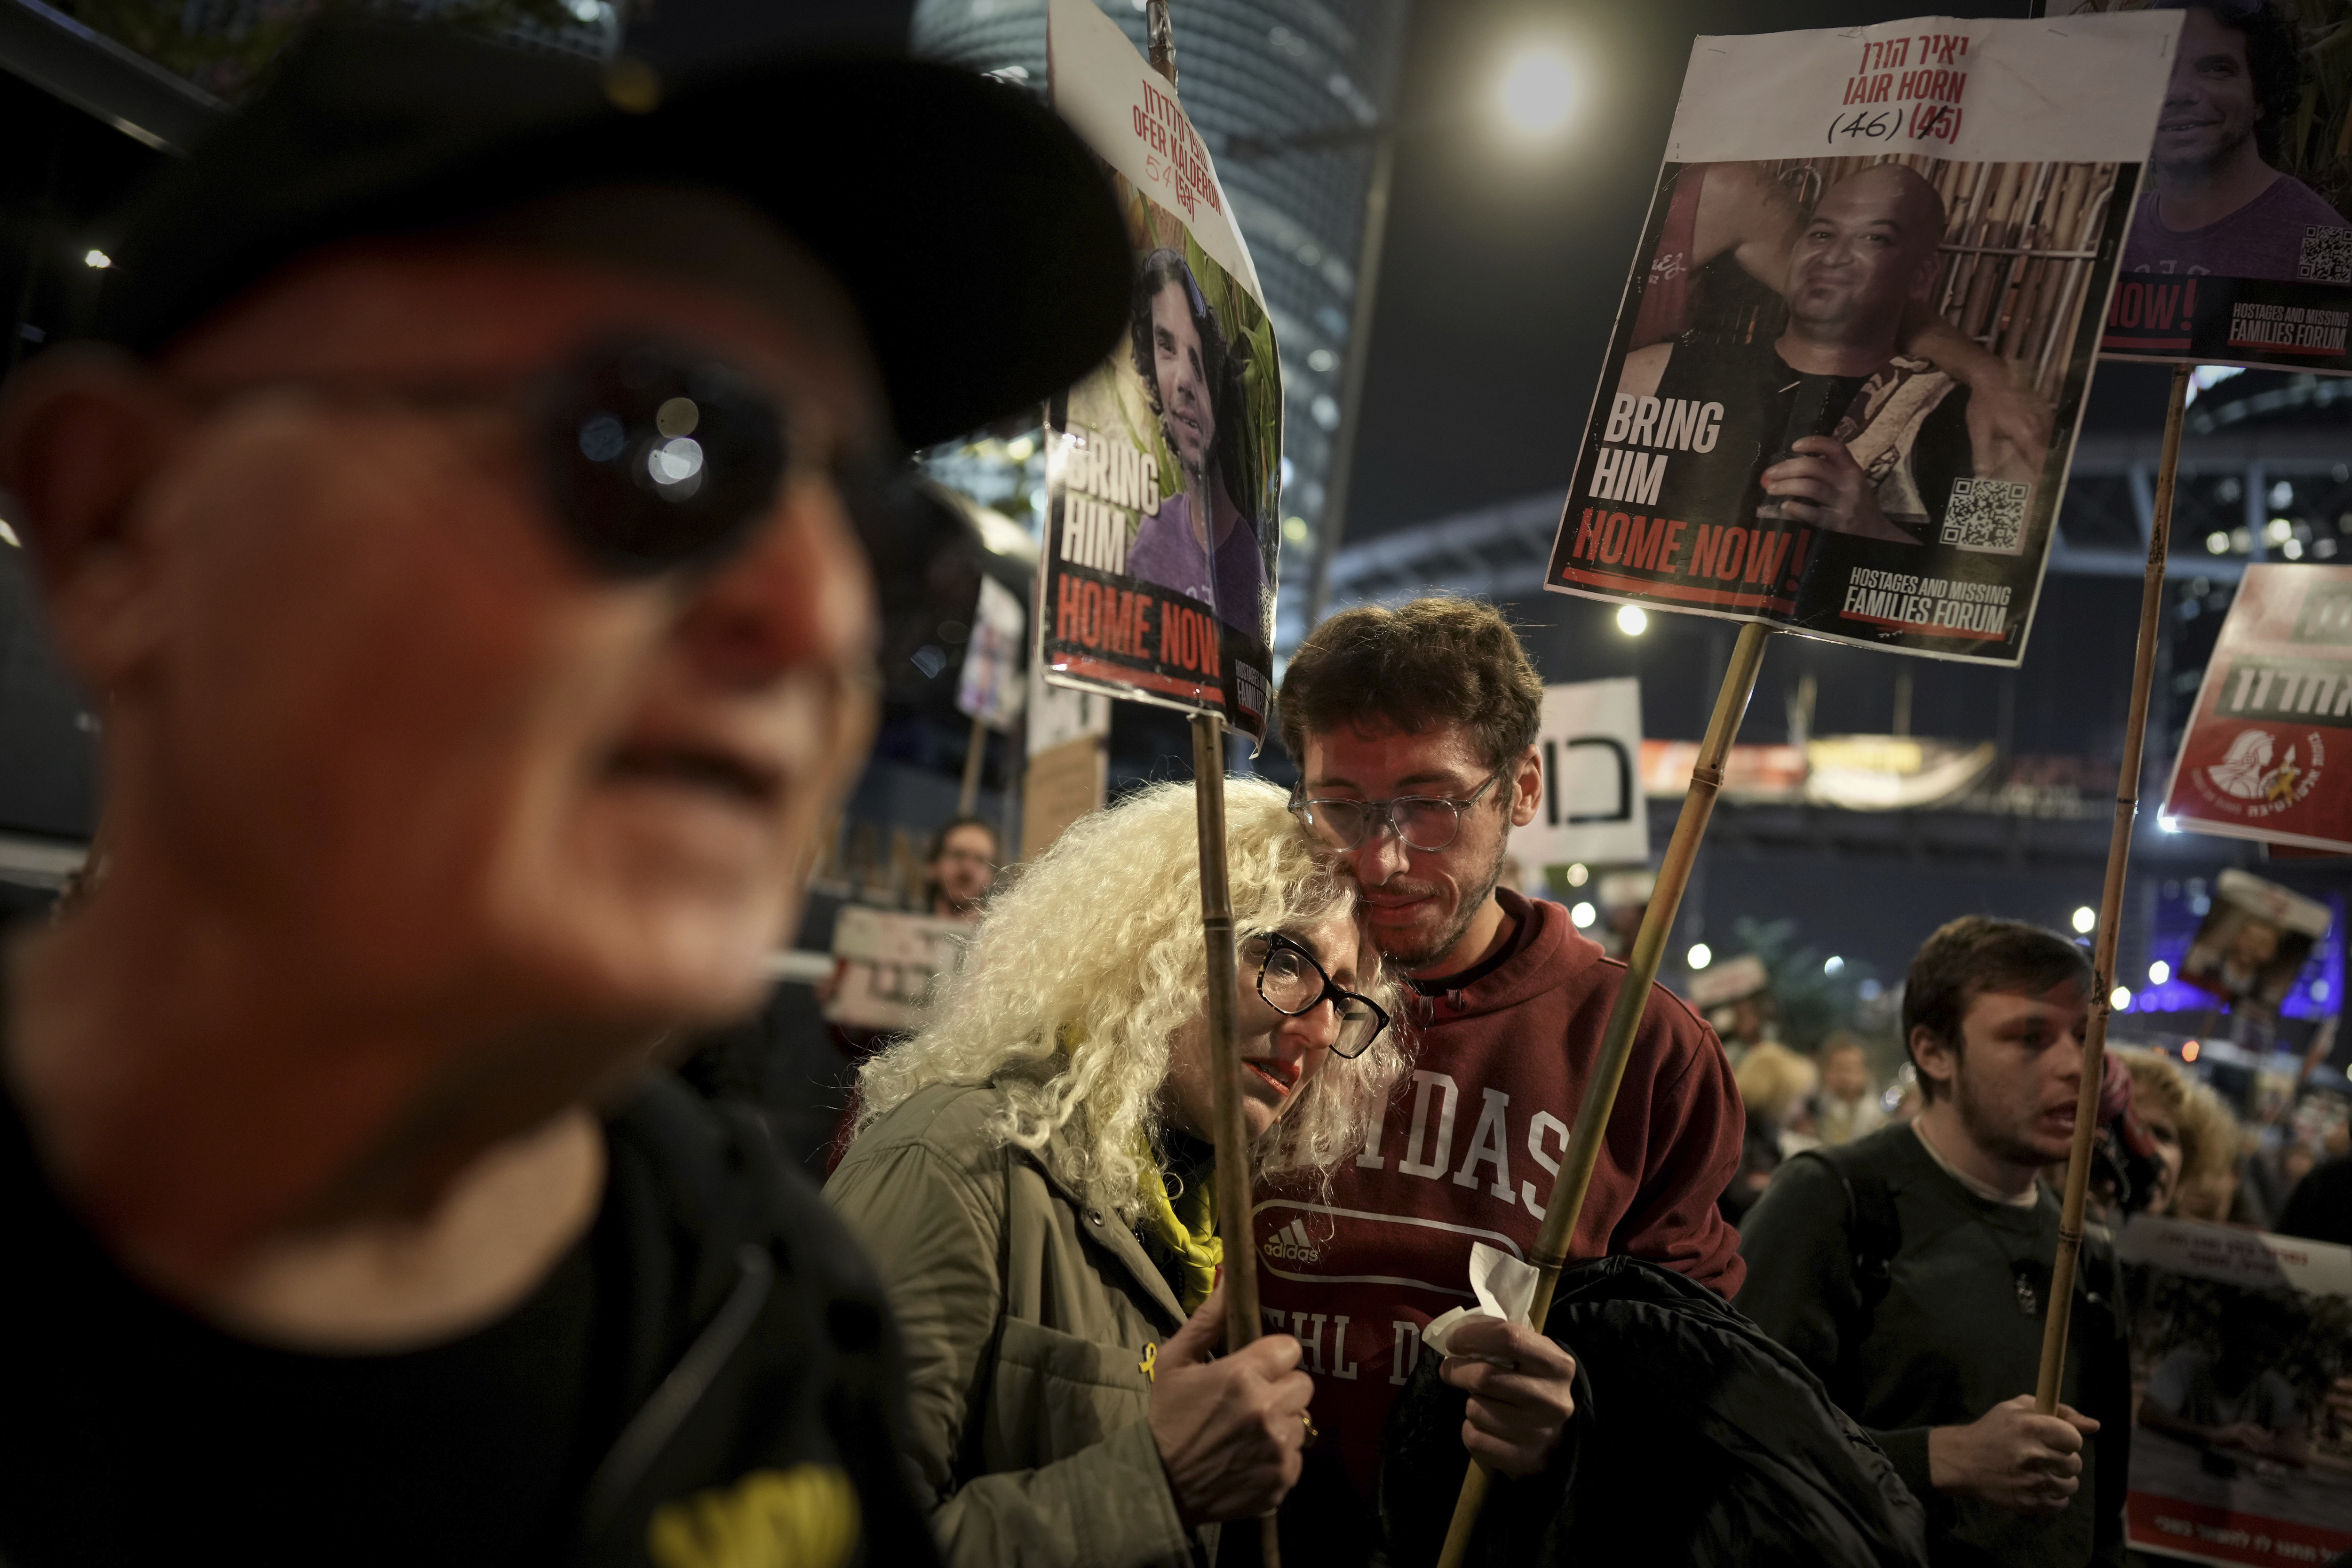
x,y
1911,1269
456,524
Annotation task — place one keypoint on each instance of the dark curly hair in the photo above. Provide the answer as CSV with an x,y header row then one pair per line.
x,y
2274,54
1221,366
1416,665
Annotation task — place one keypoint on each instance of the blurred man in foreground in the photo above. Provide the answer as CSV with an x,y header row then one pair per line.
x,y
459,532
1910,1269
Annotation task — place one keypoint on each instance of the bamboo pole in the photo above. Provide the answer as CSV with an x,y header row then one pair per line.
x,y
1568,1188
1233,1186
967,794
2111,907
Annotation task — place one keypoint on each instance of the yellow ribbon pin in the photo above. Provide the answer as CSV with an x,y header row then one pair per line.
x,y
1149,1366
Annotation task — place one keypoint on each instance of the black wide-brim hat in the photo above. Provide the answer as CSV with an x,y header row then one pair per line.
x,y
972,229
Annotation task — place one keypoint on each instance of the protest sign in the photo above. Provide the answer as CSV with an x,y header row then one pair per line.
x,y
883,964
2255,939
1164,468
991,689
1849,364
2236,1337
1058,714
1592,808
2239,250
2265,756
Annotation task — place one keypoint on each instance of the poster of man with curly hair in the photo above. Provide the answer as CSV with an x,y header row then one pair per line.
x,y
2241,248
1164,466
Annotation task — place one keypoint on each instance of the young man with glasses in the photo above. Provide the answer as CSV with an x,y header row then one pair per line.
x,y
458,523
1414,731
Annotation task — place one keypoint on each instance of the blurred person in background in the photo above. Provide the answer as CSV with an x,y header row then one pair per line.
x,y
1774,1082
469,724
1848,1106
1910,1269
1035,1170
2210,1143
1735,997
962,868
2185,1154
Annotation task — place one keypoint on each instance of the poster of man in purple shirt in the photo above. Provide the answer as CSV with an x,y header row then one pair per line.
x,y
1163,466
1200,543
2239,251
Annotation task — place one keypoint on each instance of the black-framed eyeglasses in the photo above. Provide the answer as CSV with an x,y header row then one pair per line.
x,y
1294,983
1424,822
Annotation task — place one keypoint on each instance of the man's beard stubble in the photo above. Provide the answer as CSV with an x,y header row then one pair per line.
x,y
1988,1135
1464,913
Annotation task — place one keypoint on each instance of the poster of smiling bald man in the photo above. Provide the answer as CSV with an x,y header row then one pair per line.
x,y
1163,466
1850,361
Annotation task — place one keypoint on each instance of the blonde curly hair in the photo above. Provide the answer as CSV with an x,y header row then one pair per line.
x,y
2209,1133
1085,969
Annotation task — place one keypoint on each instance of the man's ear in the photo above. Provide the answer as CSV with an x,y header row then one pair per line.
x,y
83,429
1937,1061
1527,787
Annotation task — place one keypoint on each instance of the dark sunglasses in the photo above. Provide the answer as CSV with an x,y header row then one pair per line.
x,y
657,457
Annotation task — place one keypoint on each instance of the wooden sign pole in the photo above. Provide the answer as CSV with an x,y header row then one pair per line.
x,y
1549,1254
1234,1185
2111,909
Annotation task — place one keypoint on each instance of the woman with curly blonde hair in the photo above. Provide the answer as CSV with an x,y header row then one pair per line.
x,y
2196,1137
1031,1171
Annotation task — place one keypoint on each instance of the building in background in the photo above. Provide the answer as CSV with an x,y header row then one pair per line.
x,y
1258,76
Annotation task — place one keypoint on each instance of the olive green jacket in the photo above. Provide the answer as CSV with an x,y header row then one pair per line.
x,y
1028,1317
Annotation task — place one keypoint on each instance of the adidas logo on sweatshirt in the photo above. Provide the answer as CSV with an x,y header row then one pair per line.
x,y
1291,1242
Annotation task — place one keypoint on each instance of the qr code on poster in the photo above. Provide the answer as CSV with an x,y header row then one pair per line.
x,y
1987,514
2326,255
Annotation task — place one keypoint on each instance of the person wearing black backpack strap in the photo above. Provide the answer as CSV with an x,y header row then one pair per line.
x,y
1910,1269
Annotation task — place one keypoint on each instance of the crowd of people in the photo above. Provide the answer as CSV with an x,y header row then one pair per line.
x,y
463,763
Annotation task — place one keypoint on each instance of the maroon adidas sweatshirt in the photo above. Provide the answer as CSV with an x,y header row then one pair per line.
x,y
1467,1153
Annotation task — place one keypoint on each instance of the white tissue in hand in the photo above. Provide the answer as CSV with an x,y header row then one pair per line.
x,y
1505,1288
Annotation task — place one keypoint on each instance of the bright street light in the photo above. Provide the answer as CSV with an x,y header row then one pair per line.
x,y
2158,972
1832,964
1701,955
1583,915
1632,620
1537,91
2120,998
2085,919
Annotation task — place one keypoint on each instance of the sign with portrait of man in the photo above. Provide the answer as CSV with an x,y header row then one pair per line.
x,y
2239,250
1163,466
1845,381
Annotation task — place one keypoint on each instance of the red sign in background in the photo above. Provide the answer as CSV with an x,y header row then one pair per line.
x,y
2268,753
